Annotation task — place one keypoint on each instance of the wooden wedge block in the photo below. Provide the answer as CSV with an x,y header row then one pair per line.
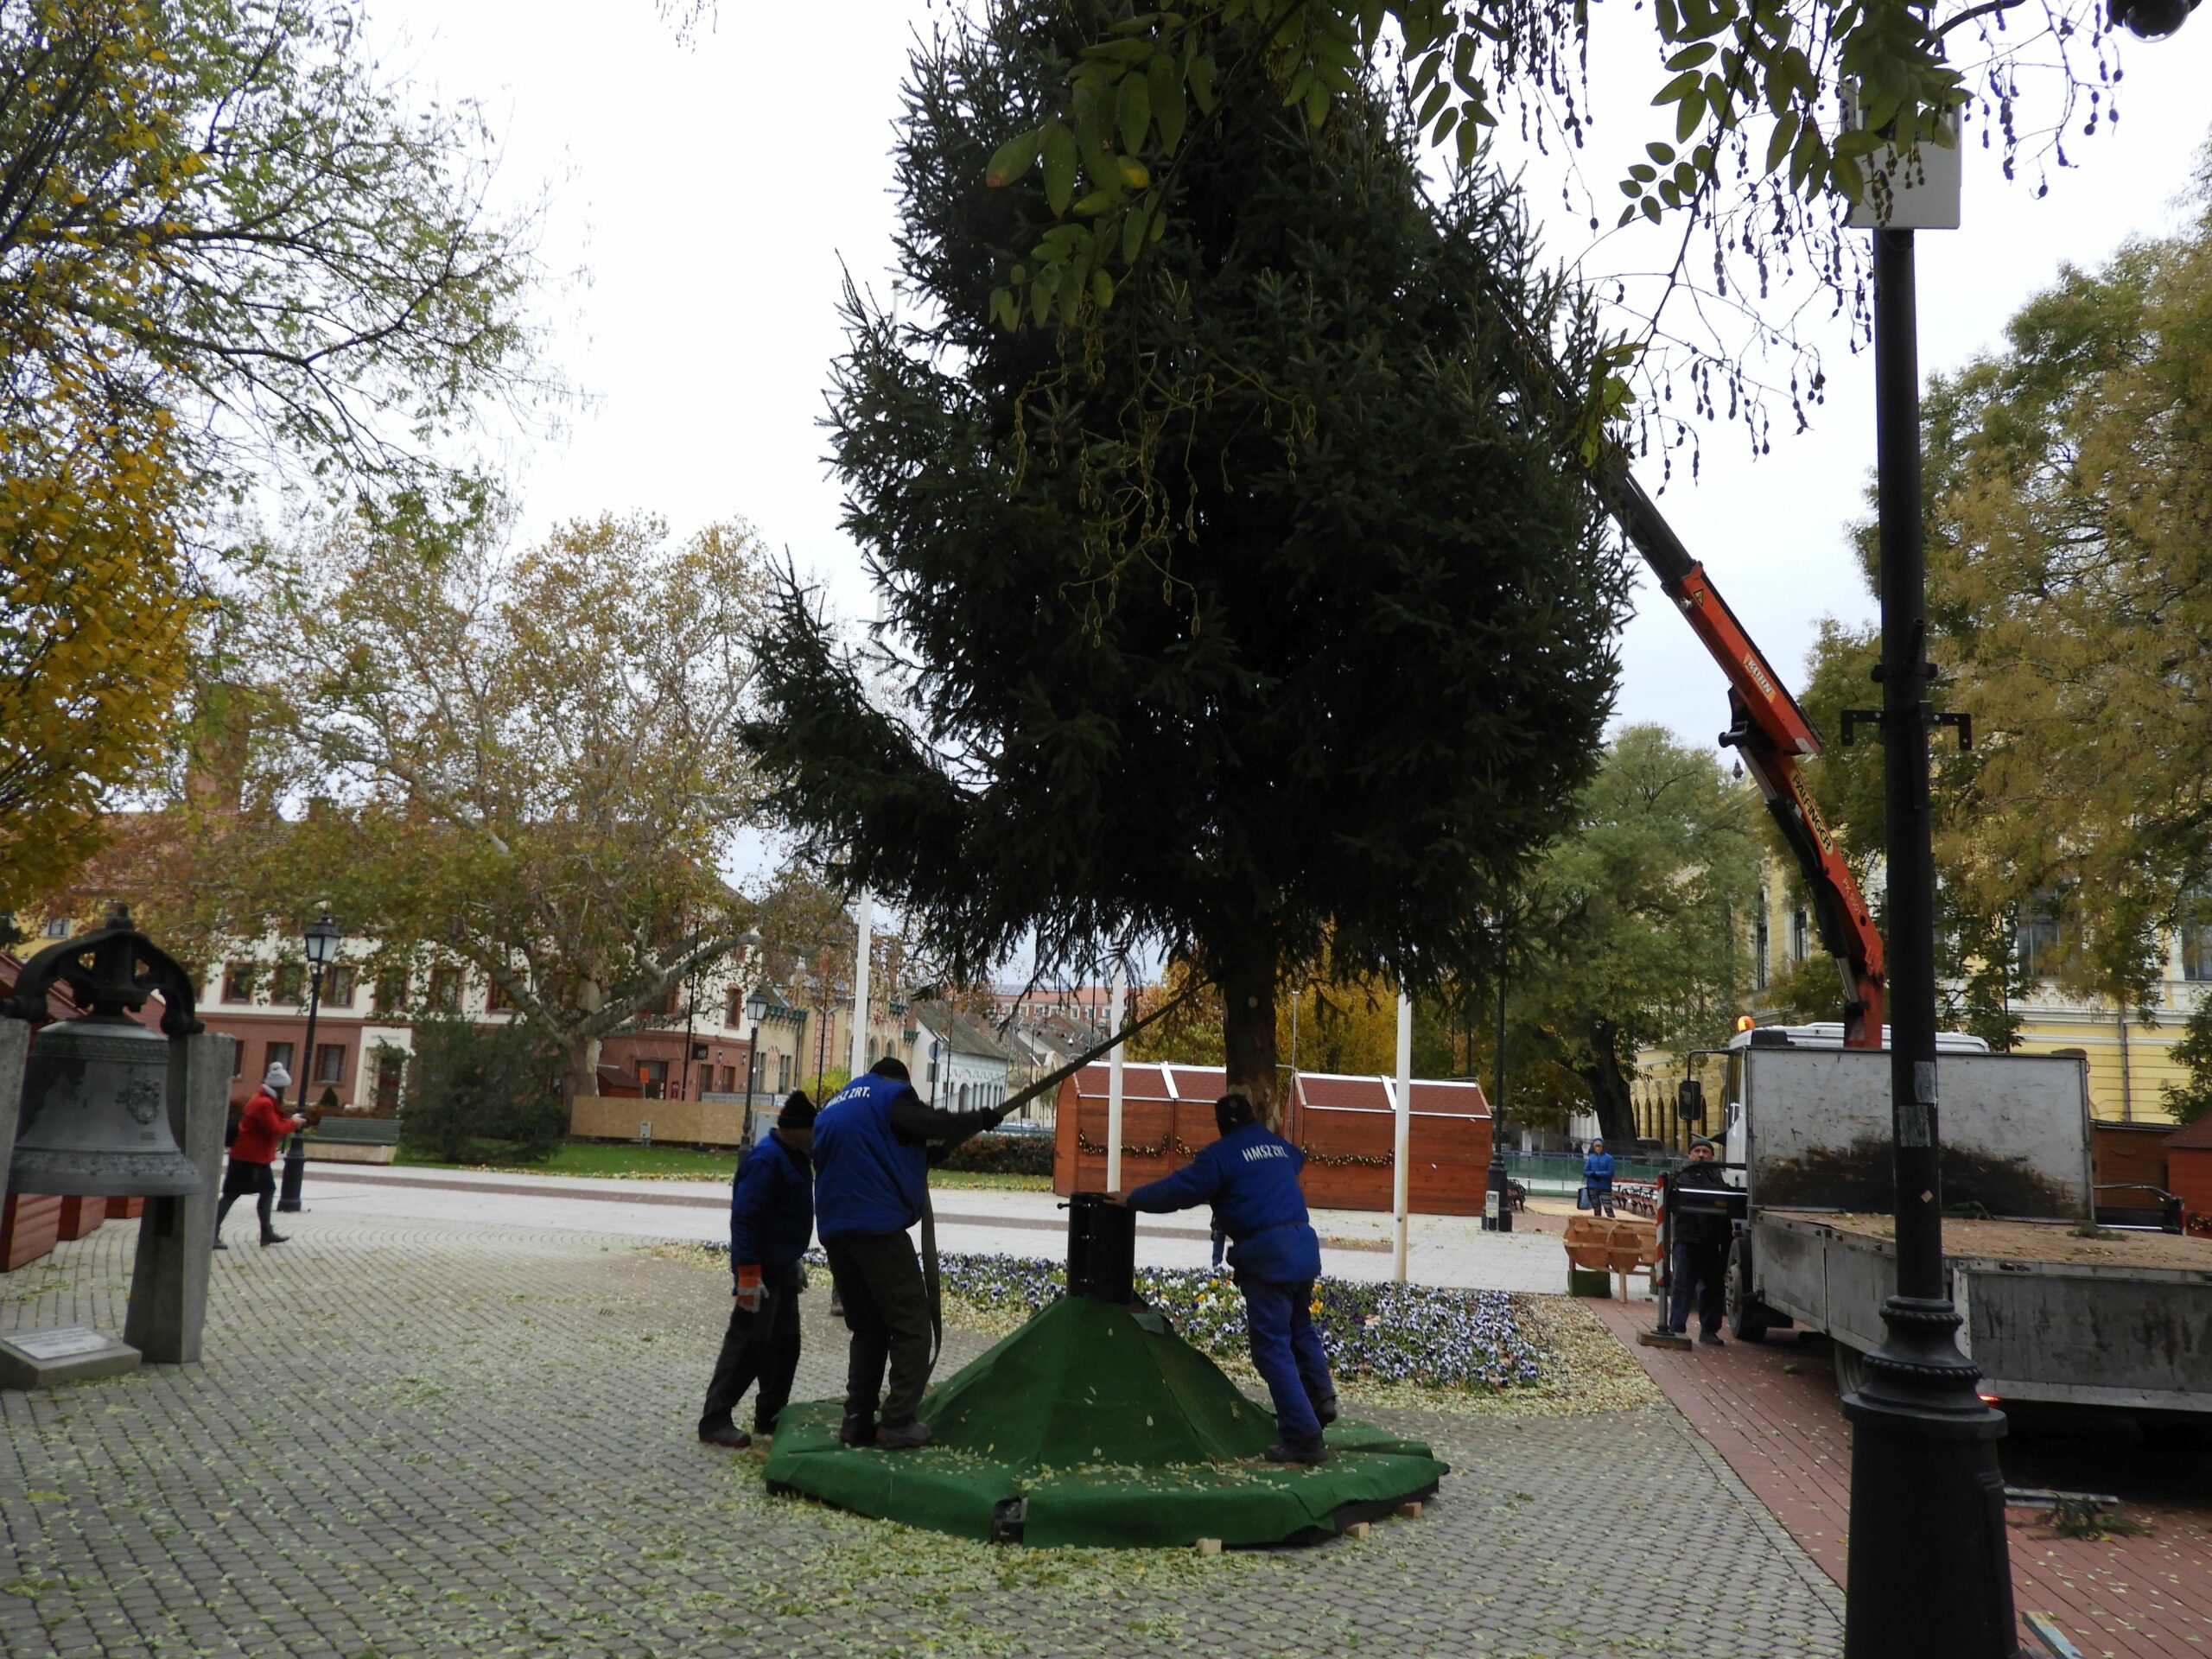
x,y
1208,1546
1357,1530
1409,1510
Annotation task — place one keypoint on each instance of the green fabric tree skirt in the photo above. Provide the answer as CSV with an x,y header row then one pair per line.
x,y
1099,1425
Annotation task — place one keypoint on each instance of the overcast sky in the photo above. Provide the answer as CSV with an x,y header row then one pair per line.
x,y
710,192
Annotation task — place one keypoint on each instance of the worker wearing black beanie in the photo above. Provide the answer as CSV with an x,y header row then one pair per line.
x,y
771,1223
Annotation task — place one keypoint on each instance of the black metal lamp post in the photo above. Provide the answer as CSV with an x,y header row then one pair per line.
x,y
322,938
1497,1203
1929,1574
756,1007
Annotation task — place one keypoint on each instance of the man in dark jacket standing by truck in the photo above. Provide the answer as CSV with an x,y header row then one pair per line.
x,y
874,1143
1250,1177
770,1223
1701,1251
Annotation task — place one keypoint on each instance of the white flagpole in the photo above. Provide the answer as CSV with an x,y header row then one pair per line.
x,y
1403,1145
1114,1083
867,909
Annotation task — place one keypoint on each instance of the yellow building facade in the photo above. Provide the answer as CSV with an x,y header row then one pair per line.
x,y
2130,1061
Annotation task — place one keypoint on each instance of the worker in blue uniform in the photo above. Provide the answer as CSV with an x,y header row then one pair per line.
x,y
873,1143
1250,1178
771,1223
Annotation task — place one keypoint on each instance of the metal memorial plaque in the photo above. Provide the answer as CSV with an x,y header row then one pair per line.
x,y
58,1345
74,1353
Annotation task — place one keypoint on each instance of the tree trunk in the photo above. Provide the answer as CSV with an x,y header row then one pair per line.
x,y
580,1068
1248,1028
1609,1086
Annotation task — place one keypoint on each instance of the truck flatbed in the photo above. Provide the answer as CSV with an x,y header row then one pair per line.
x,y
2054,1242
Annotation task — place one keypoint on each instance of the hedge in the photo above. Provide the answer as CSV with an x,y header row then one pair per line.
x,y
1003,1154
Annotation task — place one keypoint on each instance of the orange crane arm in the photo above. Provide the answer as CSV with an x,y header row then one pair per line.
x,y
1771,732
1766,727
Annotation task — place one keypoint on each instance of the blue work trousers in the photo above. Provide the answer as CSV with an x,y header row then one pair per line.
x,y
1287,1351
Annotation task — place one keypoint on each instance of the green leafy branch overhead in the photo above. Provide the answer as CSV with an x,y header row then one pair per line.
x,y
1753,149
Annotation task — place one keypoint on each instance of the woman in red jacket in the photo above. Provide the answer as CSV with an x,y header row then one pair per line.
x,y
260,1127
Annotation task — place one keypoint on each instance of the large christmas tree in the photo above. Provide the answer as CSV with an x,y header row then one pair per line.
x,y
1258,617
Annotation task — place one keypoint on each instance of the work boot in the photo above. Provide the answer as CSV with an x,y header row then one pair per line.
x,y
903,1437
220,1245
1711,1338
728,1435
268,1239
1306,1448
857,1429
1325,1410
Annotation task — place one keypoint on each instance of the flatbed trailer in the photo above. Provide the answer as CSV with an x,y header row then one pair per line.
x,y
2049,1315
2054,1308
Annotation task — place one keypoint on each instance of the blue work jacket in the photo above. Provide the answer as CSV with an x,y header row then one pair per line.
x,y
866,1179
1250,1177
1598,1169
771,1207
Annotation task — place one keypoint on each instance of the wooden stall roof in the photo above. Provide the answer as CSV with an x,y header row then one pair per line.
x,y
1203,1085
1333,1090
2195,1137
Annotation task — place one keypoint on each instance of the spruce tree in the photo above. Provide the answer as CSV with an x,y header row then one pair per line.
x,y
1256,617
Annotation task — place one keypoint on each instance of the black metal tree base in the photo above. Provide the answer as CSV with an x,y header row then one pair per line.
x,y
1930,1571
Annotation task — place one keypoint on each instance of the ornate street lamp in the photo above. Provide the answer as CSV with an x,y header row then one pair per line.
x,y
2151,20
1498,1199
321,938
756,1009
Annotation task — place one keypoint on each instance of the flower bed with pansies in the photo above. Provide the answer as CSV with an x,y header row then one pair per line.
x,y
1413,1347
1383,1333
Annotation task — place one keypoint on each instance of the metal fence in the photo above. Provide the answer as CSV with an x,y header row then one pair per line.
x,y
1559,1174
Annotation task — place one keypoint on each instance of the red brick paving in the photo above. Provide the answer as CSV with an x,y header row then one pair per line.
x,y
1770,1409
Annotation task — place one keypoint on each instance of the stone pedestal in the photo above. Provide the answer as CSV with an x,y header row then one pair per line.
x,y
176,1238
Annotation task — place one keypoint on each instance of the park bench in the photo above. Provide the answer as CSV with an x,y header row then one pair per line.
x,y
1618,1247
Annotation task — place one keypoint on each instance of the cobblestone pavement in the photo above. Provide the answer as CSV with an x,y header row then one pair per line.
x,y
417,1437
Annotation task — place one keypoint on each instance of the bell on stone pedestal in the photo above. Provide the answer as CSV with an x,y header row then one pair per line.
x,y
95,1113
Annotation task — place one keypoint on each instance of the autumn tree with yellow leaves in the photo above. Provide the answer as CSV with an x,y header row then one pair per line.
x,y
229,251
520,761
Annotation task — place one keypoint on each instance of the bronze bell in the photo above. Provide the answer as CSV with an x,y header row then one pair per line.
x,y
96,1121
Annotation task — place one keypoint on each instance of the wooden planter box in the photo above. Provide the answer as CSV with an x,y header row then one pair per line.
x,y
125,1209
353,1141
30,1223
81,1218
